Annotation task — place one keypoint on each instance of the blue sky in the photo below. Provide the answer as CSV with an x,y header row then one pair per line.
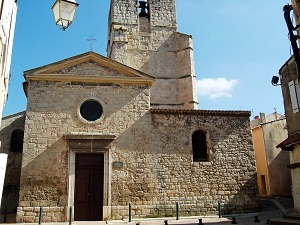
x,y
238,47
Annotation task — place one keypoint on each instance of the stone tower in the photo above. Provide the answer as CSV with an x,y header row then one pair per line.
x,y
143,35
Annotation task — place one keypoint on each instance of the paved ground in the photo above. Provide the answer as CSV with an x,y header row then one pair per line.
x,y
271,208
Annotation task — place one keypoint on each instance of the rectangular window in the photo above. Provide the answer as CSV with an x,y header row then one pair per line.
x,y
295,95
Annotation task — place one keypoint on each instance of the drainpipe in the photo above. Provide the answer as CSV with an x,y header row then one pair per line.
x,y
293,38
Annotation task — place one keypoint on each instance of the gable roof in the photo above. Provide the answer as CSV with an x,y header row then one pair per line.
x,y
89,67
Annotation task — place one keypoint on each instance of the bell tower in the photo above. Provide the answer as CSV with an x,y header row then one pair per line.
x,y
143,34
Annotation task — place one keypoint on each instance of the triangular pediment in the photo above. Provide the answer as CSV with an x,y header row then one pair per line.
x,y
89,67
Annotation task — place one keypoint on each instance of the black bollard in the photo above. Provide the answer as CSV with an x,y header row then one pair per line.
x,y
130,216
219,209
200,222
5,214
177,211
166,222
233,220
256,220
70,216
41,215
137,223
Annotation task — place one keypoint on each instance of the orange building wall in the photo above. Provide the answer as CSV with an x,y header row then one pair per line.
x,y
261,162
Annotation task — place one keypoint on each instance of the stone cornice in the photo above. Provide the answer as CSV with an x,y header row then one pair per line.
x,y
202,112
88,136
88,79
72,61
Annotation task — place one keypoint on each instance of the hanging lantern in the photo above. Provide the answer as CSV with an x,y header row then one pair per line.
x,y
64,11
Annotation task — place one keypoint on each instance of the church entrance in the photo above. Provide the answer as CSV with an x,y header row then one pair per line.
x,y
89,173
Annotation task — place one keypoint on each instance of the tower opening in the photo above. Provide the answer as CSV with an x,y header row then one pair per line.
x,y
143,8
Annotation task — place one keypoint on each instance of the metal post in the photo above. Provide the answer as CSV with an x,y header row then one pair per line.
x,y
177,211
70,215
129,208
200,222
5,214
219,209
41,215
256,220
233,220
166,222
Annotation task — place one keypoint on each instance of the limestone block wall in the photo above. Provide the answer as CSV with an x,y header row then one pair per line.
x,y
159,169
160,94
163,13
154,146
186,71
12,176
170,61
53,111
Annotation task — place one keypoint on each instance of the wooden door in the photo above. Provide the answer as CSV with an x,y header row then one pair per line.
x,y
89,173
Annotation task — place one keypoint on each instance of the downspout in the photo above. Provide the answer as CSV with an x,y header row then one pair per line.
x,y
293,38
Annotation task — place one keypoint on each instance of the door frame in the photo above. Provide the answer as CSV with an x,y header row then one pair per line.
x,y
79,143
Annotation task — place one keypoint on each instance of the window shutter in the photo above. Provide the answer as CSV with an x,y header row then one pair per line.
x,y
297,87
294,88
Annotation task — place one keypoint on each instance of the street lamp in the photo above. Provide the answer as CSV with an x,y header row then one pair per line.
x,y
275,80
64,11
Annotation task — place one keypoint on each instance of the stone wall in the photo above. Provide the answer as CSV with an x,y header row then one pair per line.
x,y
161,171
49,116
12,177
153,145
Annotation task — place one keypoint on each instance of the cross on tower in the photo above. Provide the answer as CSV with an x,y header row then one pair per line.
x,y
91,40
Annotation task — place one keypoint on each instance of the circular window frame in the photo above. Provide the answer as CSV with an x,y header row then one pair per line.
x,y
82,119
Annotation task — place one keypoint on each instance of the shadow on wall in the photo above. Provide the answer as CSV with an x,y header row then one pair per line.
x,y
11,186
160,168
242,202
156,152
280,176
10,197
45,177
42,182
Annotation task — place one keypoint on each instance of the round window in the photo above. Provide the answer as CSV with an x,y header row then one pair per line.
x,y
91,110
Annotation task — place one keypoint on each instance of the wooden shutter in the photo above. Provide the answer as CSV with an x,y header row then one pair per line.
x,y
294,88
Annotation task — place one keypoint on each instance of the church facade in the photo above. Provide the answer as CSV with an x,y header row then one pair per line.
x,y
101,133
